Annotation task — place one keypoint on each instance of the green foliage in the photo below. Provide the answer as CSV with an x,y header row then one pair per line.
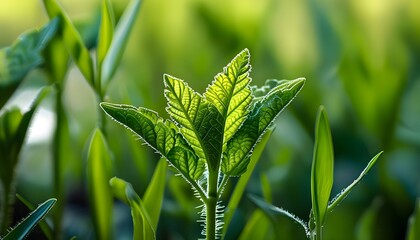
x,y
207,127
24,55
413,229
21,230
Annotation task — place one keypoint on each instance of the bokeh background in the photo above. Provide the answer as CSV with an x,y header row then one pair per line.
x,y
361,60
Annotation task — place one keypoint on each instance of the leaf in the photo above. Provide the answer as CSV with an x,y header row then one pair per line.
x,y
161,135
273,211
24,55
263,113
119,41
365,228
72,40
322,168
201,123
260,92
153,197
42,224
413,229
98,175
26,225
243,181
141,219
257,227
231,94
106,31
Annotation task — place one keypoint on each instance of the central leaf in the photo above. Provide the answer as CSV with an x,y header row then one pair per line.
x,y
201,123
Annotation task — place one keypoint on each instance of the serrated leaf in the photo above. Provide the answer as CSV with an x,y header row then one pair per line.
x,y
72,40
98,175
153,197
259,92
263,113
273,211
141,219
25,54
343,194
26,226
231,94
161,135
322,168
119,41
201,123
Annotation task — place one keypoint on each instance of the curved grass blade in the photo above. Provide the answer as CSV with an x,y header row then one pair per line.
x,y
153,197
25,54
263,113
231,94
161,135
273,211
42,224
98,175
119,41
72,40
141,219
26,225
201,123
343,194
243,181
413,229
322,169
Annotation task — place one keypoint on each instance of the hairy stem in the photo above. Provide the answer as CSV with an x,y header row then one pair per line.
x,y
211,206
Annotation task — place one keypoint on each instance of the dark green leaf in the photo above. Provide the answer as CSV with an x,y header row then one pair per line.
x,y
98,175
322,168
263,113
26,225
72,40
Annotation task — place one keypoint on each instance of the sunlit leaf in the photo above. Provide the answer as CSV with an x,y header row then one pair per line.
x,y
413,229
25,226
243,181
263,113
42,224
153,197
161,135
343,194
72,40
119,41
98,175
201,123
106,31
231,94
322,168
274,211
141,219
25,54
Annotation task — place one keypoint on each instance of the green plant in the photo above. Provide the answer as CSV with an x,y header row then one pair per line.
x,y
321,182
210,137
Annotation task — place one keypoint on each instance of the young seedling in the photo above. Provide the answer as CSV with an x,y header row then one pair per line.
x,y
321,182
210,137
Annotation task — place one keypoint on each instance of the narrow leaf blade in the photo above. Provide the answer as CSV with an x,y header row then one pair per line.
x,y
106,31
72,40
343,194
322,167
231,94
153,197
119,41
26,226
413,229
263,113
98,175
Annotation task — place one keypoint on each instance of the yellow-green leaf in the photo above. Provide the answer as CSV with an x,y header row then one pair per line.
x,y
98,175
106,31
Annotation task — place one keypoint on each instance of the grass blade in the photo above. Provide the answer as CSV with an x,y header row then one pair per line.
x,y
153,197
121,34
322,169
26,226
98,175
106,31
343,194
72,40
243,181
141,219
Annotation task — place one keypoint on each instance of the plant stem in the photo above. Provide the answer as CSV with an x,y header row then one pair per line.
x,y
211,205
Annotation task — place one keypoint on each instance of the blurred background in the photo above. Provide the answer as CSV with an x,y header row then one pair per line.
x,y
361,60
